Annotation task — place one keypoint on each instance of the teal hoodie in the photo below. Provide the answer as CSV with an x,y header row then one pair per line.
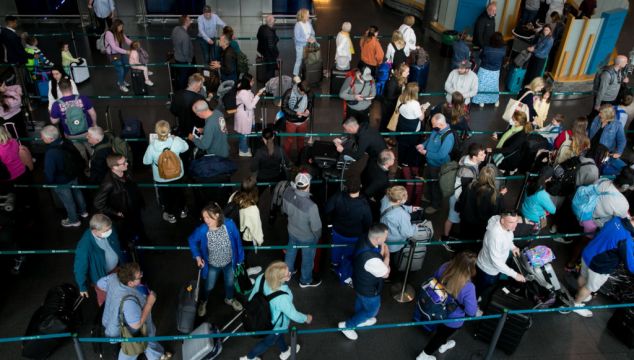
x,y
281,305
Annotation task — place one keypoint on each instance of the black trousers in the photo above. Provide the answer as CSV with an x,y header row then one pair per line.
x,y
432,189
440,338
172,198
362,116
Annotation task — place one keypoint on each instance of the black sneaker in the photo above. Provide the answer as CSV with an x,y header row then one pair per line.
x,y
314,283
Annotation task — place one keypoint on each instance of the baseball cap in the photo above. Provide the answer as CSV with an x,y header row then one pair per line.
x,y
302,179
367,74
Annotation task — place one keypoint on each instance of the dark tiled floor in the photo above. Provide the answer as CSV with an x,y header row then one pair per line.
x,y
552,336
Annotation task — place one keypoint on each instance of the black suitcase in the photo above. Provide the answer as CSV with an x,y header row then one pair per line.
x,y
515,326
187,301
621,324
337,78
313,72
138,82
261,70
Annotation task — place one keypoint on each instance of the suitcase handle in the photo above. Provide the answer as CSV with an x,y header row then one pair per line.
x,y
197,290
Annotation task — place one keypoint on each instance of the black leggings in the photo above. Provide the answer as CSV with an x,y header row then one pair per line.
x,y
439,339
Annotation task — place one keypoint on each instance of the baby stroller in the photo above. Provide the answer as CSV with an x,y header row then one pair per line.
x,y
542,284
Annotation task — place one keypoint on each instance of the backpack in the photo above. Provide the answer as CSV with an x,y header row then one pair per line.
x,y
565,150
169,164
456,151
382,76
597,78
433,303
278,195
448,176
232,211
100,43
243,63
257,312
399,56
564,180
75,116
585,200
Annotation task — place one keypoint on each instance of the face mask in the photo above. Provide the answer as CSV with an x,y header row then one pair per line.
x,y
106,234
436,129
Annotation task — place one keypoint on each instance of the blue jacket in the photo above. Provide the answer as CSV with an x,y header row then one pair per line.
x,y
543,46
467,301
610,246
282,307
198,245
90,259
535,206
613,136
399,223
437,151
299,36
54,164
492,58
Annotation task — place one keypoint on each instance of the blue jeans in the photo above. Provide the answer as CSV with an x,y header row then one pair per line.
x,y
214,272
264,344
210,52
299,55
484,284
122,68
308,258
243,145
233,77
365,307
338,255
72,200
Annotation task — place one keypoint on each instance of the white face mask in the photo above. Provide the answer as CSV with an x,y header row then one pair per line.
x,y
106,234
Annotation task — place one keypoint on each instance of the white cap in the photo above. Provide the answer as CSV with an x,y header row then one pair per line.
x,y
302,179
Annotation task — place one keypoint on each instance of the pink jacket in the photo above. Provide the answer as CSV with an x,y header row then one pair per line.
x,y
135,61
10,157
112,47
245,113
12,98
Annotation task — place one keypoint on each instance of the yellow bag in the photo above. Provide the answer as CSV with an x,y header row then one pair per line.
x,y
394,119
131,348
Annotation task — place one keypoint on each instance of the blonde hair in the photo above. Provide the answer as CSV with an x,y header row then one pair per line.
x,y
397,193
303,15
409,20
409,93
5,136
162,129
607,113
486,181
397,38
536,82
458,272
275,274
398,73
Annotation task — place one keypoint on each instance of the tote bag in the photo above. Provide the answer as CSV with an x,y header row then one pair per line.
x,y
516,105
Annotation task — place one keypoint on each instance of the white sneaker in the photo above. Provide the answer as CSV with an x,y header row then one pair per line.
x,y
286,354
553,229
350,334
202,309
424,356
479,313
371,321
68,223
245,154
127,84
297,79
254,270
123,88
481,105
235,304
497,103
248,358
583,312
446,346
149,83
169,218
587,299
149,73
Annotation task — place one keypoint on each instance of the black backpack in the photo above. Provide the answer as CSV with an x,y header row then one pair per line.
x,y
458,144
257,312
232,211
564,180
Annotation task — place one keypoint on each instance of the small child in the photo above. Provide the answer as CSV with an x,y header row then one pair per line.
x,y
551,131
138,61
67,57
542,105
35,58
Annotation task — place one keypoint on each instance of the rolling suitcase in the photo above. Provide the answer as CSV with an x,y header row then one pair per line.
x,y
516,324
42,87
419,74
621,324
79,72
187,300
313,72
514,79
425,232
138,82
202,348
337,78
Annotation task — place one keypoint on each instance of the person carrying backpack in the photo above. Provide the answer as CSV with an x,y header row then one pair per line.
x,y
76,114
453,278
162,153
272,290
607,84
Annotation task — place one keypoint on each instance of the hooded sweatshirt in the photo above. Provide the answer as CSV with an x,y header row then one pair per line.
x,y
609,205
357,87
466,84
497,244
154,150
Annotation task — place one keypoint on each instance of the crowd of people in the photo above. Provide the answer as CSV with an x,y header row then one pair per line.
x,y
368,211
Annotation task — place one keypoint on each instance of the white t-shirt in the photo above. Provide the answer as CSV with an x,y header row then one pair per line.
x,y
411,110
376,267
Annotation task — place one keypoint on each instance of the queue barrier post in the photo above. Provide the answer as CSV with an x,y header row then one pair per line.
x,y
404,293
496,335
78,350
293,343
169,74
279,83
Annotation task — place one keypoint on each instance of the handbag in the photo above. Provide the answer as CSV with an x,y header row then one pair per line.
x,y
131,348
522,58
516,105
242,282
394,119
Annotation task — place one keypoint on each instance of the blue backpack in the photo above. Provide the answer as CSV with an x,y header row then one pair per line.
x,y
382,76
433,303
585,201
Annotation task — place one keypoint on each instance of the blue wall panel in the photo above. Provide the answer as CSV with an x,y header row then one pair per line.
x,y
468,12
606,41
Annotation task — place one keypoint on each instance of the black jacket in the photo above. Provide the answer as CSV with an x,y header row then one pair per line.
x,y
98,165
269,167
366,140
475,208
181,107
375,181
483,29
513,151
351,217
291,114
118,195
228,62
15,53
267,42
